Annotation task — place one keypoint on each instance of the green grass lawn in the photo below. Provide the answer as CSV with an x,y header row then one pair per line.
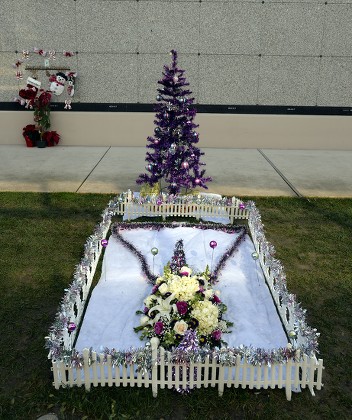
x,y
42,238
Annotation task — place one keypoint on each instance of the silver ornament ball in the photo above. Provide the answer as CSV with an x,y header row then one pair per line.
x,y
154,251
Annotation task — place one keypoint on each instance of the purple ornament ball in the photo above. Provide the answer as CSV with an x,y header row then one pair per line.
x,y
156,141
197,181
104,243
185,165
71,326
213,244
242,206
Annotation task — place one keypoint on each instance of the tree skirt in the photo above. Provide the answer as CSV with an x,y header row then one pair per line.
x,y
110,316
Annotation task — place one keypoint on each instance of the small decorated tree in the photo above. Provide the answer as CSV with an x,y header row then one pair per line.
x,y
173,156
178,259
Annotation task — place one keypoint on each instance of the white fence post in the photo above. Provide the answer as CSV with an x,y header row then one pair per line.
x,y
154,342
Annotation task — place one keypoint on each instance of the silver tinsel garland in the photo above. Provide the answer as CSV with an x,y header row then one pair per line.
x,y
142,357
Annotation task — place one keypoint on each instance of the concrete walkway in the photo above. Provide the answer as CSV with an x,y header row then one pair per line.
x,y
239,172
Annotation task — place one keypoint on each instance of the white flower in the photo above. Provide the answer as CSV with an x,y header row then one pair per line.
x,y
217,292
222,326
184,288
180,327
163,288
149,300
208,293
207,315
159,280
144,320
163,307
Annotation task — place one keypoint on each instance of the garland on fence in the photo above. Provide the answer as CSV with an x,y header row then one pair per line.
x,y
301,328
141,358
225,356
151,278
160,199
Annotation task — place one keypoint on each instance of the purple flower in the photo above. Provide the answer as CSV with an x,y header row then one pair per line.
x,y
154,289
216,335
158,327
146,310
182,307
216,299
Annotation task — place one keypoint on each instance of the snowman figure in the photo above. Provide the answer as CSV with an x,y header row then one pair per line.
x,y
71,79
57,83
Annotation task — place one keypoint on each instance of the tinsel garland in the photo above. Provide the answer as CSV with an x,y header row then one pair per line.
x,y
142,357
173,225
151,278
302,330
54,340
180,199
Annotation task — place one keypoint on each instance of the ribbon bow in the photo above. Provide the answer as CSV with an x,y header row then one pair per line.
x,y
68,104
28,104
52,54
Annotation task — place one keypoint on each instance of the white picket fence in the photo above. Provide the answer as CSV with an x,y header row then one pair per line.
x,y
131,209
95,370
165,374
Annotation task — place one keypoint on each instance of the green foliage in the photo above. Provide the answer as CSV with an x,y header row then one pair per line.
x,y
41,240
146,189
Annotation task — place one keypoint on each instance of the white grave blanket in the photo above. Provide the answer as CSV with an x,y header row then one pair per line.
x,y
110,316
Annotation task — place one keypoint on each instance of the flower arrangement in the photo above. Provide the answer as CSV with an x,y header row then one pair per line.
x,y
51,138
181,302
31,135
32,96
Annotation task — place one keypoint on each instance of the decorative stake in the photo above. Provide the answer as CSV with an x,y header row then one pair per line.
x,y
154,252
213,245
255,257
104,244
71,326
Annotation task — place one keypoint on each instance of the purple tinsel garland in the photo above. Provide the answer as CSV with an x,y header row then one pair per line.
x,y
117,227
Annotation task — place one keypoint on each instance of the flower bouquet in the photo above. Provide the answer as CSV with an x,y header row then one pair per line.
x,y
51,138
31,135
37,135
181,302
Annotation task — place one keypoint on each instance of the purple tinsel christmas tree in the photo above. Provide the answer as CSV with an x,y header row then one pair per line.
x,y
173,156
178,259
